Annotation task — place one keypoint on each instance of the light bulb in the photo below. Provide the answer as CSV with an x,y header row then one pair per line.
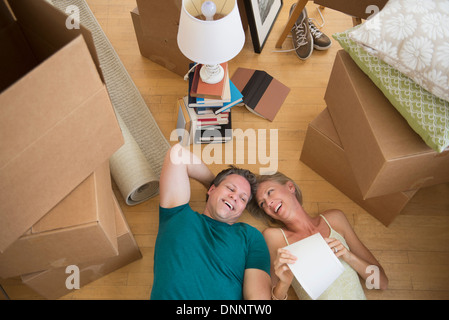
x,y
208,9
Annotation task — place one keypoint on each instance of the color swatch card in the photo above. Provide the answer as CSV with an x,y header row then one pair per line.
x,y
262,94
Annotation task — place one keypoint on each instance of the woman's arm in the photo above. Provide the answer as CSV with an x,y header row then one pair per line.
x,y
281,275
359,257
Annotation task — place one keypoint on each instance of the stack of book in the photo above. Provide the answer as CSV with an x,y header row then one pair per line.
x,y
204,114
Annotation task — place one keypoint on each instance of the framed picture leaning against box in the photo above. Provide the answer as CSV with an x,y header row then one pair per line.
x,y
261,16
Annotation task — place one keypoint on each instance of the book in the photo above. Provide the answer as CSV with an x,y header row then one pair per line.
x,y
201,89
204,110
212,102
205,120
192,101
206,102
183,124
214,122
209,113
203,130
317,267
262,94
226,97
215,134
236,98
213,117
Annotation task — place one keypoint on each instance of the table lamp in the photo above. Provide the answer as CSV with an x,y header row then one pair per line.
x,y
210,33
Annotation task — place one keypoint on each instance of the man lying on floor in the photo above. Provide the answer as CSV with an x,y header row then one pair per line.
x,y
208,255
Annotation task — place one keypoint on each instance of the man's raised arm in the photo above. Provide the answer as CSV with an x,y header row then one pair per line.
x,y
174,184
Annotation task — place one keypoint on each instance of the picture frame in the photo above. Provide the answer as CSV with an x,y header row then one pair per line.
x,y
261,15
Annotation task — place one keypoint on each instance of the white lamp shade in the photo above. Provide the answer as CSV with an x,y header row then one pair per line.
x,y
210,42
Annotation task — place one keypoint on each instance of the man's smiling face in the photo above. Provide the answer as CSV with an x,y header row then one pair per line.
x,y
228,200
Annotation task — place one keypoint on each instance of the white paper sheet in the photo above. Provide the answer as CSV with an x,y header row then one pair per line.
x,y
317,267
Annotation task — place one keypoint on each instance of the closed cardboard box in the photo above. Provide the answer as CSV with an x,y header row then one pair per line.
x,y
51,283
385,154
80,228
161,45
323,152
57,123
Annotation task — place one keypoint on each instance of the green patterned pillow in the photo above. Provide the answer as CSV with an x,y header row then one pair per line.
x,y
427,114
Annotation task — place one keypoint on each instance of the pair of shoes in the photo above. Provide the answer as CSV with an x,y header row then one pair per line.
x,y
306,36
320,40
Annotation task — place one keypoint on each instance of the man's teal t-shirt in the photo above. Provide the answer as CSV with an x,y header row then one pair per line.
x,y
199,258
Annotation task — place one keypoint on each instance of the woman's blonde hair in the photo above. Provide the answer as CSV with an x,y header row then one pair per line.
x,y
259,213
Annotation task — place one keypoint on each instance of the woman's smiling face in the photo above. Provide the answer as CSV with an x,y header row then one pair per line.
x,y
276,199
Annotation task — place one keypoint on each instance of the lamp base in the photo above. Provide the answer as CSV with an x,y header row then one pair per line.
x,y
211,74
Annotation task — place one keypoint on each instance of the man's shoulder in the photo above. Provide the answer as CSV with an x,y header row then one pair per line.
x,y
182,207
250,230
177,210
245,225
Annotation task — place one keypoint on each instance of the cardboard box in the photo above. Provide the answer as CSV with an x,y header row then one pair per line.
x,y
160,18
57,123
385,154
161,46
5,15
80,228
356,8
323,152
51,283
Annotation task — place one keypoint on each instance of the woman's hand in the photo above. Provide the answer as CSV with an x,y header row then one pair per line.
x,y
281,268
338,248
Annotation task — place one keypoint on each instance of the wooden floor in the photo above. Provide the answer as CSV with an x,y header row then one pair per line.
x,y
413,250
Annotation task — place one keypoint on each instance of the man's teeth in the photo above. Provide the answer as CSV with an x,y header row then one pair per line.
x,y
229,205
278,207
